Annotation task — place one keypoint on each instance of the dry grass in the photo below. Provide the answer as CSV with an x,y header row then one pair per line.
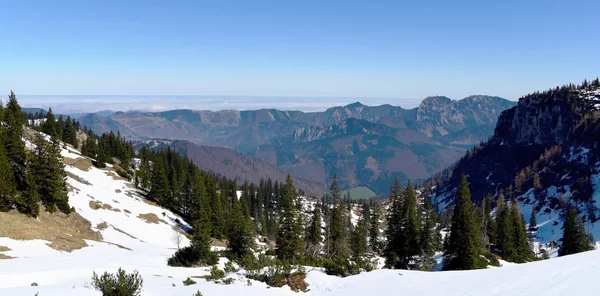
x,y
127,211
4,249
102,226
96,205
118,191
64,232
151,218
218,243
83,164
78,179
297,282
120,246
123,232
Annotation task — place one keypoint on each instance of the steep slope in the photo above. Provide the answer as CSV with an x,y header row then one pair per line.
x,y
544,153
234,165
360,152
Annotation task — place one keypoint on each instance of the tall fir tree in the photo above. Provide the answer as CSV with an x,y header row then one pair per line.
x,y
7,183
522,250
69,134
49,127
374,231
532,220
239,235
13,144
464,244
30,202
159,190
313,233
49,174
336,234
358,240
412,225
505,240
289,237
574,239
396,238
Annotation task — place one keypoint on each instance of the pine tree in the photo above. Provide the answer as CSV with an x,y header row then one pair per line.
x,y
358,241
429,238
216,203
49,127
49,174
313,233
31,197
574,238
412,225
523,252
289,240
489,227
7,183
69,135
159,190
13,144
396,238
505,240
336,242
239,233
374,229
464,245
532,221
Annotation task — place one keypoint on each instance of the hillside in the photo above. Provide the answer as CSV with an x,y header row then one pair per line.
x,y
544,153
233,165
430,137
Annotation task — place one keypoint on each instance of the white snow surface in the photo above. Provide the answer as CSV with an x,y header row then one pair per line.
x,y
63,273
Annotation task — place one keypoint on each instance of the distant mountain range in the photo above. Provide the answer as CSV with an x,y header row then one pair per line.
x,y
364,145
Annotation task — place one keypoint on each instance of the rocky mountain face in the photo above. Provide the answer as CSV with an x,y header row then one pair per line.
x,y
544,154
369,144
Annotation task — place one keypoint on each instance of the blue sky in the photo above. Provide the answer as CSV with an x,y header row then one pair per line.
x,y
401,51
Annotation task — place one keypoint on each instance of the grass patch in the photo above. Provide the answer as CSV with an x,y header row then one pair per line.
x,y
102,226
119,246
64,232
127,211
78,179
151,218
218,243
96,205
123,232
5,249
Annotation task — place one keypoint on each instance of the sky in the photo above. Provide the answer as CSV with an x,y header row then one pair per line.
x,y
290,54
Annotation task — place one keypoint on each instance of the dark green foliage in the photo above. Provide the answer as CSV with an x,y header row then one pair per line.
x,y
69,134
119,284
464,245
336,232
49,127
29,204
313,233
532,221
189,282
523,252
215,274
239,233
13,144
199,252
574,238
396,238
374,244
7,184
289,241
197,293
504,233
412,224
358,240
49,175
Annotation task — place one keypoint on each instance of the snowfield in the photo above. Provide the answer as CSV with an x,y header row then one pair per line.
x,y
134,240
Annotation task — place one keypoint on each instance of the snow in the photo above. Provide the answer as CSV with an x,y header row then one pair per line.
x,y
64,273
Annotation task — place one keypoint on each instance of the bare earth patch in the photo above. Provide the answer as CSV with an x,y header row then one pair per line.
x,y
102,226
78,179
96,205
64,232
83,164
218,243
151,218
5,249
123,232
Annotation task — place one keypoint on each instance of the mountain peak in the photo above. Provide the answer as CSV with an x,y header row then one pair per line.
x,y
355,105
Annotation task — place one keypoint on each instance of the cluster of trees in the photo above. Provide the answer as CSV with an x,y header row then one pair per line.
x,y
108,147
29,176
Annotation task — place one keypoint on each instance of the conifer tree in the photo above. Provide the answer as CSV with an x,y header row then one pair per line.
x,y
428,235
49,127
396,238
69,135
489,224
313,233
239,234
358,241
31,197
574,238
13,144
49,175
505,240
7,183
159,190
412,247
464,245
289,241
218,216
336,236
532,220
374,229
522,250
